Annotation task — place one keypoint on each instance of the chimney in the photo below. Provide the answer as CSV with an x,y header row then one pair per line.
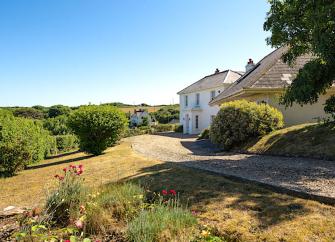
x,y
216,71
249,65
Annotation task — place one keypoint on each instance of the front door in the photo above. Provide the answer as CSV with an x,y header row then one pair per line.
x,y
187,123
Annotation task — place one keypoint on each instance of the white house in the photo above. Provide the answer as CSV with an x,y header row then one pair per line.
x,y
195,112
137,118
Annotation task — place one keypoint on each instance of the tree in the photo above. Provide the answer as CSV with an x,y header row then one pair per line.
x,y
31,113
166,114
98,127
58,110
307,27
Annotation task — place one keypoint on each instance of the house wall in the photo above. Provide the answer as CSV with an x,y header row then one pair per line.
x,y
296,114
203,110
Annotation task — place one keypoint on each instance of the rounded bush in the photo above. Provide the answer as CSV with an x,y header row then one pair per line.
x,y
97,127
238,121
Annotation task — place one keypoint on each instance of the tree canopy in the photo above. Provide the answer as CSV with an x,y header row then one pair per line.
x,y
307,27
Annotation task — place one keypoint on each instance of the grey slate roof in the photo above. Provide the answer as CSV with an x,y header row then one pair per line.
x,y
212,81
269,73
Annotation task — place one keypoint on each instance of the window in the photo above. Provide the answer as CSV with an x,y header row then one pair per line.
x,y
197,99
196,121
212,95
186,101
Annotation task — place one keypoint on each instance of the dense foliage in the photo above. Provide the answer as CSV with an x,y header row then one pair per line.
x,y
22,142
28,113
97,127
306,27
166,114
238,121
204,134
67,142
330,106
57,125
58,110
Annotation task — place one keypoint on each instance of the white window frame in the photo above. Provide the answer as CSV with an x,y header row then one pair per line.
x,y
197,121
186,100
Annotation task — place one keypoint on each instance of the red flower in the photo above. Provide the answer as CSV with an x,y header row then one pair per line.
x,y
56,176
173,192
67,240
164,192
65,169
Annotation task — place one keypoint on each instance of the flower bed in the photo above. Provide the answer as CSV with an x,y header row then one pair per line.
x,y
115,212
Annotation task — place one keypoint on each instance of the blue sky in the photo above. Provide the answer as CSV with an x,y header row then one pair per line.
x,y
80,51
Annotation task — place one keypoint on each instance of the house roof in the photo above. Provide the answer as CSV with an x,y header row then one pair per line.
x,y
269,73
213,81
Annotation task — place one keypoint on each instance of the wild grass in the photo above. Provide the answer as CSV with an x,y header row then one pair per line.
x,y
305,140
162,223
235,211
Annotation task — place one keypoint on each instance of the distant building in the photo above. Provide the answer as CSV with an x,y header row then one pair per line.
x,y
140,116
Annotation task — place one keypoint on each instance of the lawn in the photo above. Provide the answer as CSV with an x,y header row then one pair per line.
x,y
237,211
305,140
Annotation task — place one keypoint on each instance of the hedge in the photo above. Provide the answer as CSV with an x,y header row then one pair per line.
x,y
22,142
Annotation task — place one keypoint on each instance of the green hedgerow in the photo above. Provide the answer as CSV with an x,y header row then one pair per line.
x,y
22,142
98,127
238,121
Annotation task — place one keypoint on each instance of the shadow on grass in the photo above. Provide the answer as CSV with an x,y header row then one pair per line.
x,y
59,162
199,188
63,155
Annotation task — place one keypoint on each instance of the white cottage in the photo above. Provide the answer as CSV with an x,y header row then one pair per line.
x,y
138,117
195,112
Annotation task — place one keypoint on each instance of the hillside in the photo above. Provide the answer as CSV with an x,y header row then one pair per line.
x,y
305,140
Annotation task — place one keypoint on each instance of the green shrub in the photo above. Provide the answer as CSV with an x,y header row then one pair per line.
x,y
178,128
63,204
22,142
97,127
238,121
57,125
66,142
58,110
330,106
163,127
162,223
204,134
28,113
52,146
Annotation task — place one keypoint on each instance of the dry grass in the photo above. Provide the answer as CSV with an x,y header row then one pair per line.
x,y
306,140
239,211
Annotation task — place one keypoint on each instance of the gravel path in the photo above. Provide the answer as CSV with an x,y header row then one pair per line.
x,y
315,177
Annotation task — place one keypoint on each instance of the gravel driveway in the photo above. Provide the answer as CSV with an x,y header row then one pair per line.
x,y
311,176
